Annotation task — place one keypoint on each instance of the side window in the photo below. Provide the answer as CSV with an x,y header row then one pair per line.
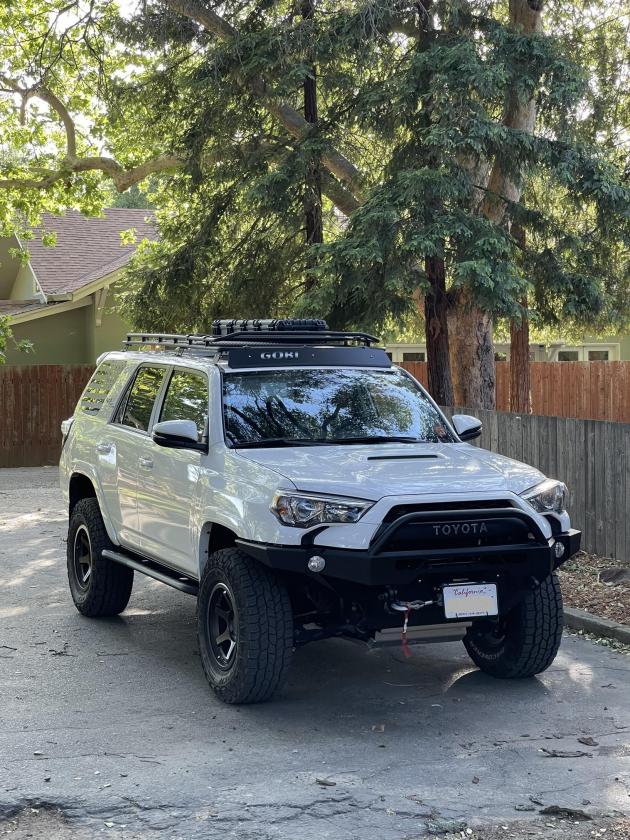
x,y
187,399
137,410
100,386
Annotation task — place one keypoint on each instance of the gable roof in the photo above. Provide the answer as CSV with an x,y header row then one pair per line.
x,y
87,248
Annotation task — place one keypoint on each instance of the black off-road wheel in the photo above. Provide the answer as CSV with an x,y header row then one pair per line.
x,y
526,641
245,628
99,587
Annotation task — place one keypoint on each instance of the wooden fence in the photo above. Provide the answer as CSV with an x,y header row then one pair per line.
x,y
587,390
34,399
591,456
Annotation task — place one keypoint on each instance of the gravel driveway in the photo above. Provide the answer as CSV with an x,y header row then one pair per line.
x,y
108,729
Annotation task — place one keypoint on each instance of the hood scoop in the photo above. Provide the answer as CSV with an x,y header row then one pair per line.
x,y
417,457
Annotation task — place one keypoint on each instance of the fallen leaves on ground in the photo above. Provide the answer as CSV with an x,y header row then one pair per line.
x,y
582,588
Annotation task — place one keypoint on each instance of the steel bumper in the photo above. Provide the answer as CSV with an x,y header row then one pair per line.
x,y
375,567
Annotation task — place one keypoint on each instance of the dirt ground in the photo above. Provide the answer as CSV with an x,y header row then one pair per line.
x,y
582,587
40,823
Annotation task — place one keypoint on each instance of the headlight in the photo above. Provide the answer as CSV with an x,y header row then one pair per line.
x,y
303,509
548,497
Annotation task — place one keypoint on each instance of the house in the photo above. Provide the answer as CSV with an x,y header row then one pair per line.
x,y
609,349
61,298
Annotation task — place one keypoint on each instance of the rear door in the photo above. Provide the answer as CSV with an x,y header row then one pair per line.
x,y
123,447
168,481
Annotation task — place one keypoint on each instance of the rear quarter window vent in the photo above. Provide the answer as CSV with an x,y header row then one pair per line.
x,y
100,386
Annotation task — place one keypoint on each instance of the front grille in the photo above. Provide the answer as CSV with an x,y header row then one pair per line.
x,y
402,510
459,525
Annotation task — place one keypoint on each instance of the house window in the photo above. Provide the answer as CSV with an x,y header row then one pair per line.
x,y
598,355
568,355
413,357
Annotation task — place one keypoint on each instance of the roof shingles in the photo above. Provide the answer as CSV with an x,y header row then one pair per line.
x,y
86,248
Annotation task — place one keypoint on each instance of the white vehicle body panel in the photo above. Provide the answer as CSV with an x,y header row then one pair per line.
x,y
159,502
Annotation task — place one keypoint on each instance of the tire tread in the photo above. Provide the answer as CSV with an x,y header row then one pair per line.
x,y
265,629
535,639
111,583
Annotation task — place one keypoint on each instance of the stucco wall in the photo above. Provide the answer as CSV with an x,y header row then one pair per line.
x,y
60,339
24,287
70,337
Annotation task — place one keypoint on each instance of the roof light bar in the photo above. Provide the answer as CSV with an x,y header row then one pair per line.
x,y
228,327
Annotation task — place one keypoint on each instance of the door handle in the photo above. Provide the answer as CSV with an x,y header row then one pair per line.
x,y
146,463
104,447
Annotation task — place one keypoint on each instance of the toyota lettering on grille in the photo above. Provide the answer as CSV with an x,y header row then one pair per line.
x,y
454,529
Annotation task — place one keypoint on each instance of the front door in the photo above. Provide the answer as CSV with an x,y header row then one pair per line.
x,y
119,448
168,478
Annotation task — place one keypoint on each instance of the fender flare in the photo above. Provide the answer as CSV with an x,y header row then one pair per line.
x,y
87,471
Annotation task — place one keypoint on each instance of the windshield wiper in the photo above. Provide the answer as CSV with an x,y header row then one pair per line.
x,y
376,439
284,441
277,441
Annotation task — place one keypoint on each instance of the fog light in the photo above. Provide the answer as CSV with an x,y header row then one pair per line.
x,y
559,549
316,564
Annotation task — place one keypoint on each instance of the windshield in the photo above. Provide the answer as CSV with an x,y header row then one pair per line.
x,y
326,406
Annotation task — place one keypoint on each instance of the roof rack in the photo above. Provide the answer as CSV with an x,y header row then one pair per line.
x,y
227,334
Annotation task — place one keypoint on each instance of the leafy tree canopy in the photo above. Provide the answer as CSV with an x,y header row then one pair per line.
x,y
412,119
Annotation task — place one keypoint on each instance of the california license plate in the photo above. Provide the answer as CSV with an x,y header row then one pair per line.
x,y
470,600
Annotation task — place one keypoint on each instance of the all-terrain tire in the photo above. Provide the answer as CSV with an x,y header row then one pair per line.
x,y
106,588
528,639
246,606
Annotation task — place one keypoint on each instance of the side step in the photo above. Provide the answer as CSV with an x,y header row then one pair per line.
x,y
454,632
154,570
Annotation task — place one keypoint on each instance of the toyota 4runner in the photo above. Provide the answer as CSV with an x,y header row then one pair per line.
x,y
303,487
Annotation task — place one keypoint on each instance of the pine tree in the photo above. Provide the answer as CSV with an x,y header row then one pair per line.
x,y
422,142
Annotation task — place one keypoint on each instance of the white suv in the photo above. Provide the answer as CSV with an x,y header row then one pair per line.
x,y
302,487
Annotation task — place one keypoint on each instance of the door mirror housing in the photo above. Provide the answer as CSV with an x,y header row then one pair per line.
x,y
467,427
177,434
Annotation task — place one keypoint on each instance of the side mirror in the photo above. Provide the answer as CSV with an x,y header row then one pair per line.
x,y
467,427
177,434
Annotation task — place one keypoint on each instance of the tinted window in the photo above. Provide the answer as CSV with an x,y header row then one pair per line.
x,y
327,405
187,399
137,411
598,355
568,356
100,386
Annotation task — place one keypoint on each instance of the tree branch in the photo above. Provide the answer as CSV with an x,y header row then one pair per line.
x,y
526,17
123,178
42,92
336,163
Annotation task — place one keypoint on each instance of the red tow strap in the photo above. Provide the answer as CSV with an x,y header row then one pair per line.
x,y
403,635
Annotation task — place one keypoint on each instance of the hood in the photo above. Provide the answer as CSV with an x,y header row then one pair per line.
x,y
374,471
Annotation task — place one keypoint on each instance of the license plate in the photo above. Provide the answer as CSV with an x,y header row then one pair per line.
x,y
470,600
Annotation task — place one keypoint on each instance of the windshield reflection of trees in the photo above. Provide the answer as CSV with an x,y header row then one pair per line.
x,y
316,404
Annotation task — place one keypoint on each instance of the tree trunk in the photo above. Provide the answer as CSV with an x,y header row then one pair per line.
x,y
472,354
520,400
520,384
313,186
436,331
470,328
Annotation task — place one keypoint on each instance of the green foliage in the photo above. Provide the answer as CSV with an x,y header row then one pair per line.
x,y
6,338
421,117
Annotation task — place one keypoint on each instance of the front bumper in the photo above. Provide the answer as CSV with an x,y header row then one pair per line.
x,y
377,568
